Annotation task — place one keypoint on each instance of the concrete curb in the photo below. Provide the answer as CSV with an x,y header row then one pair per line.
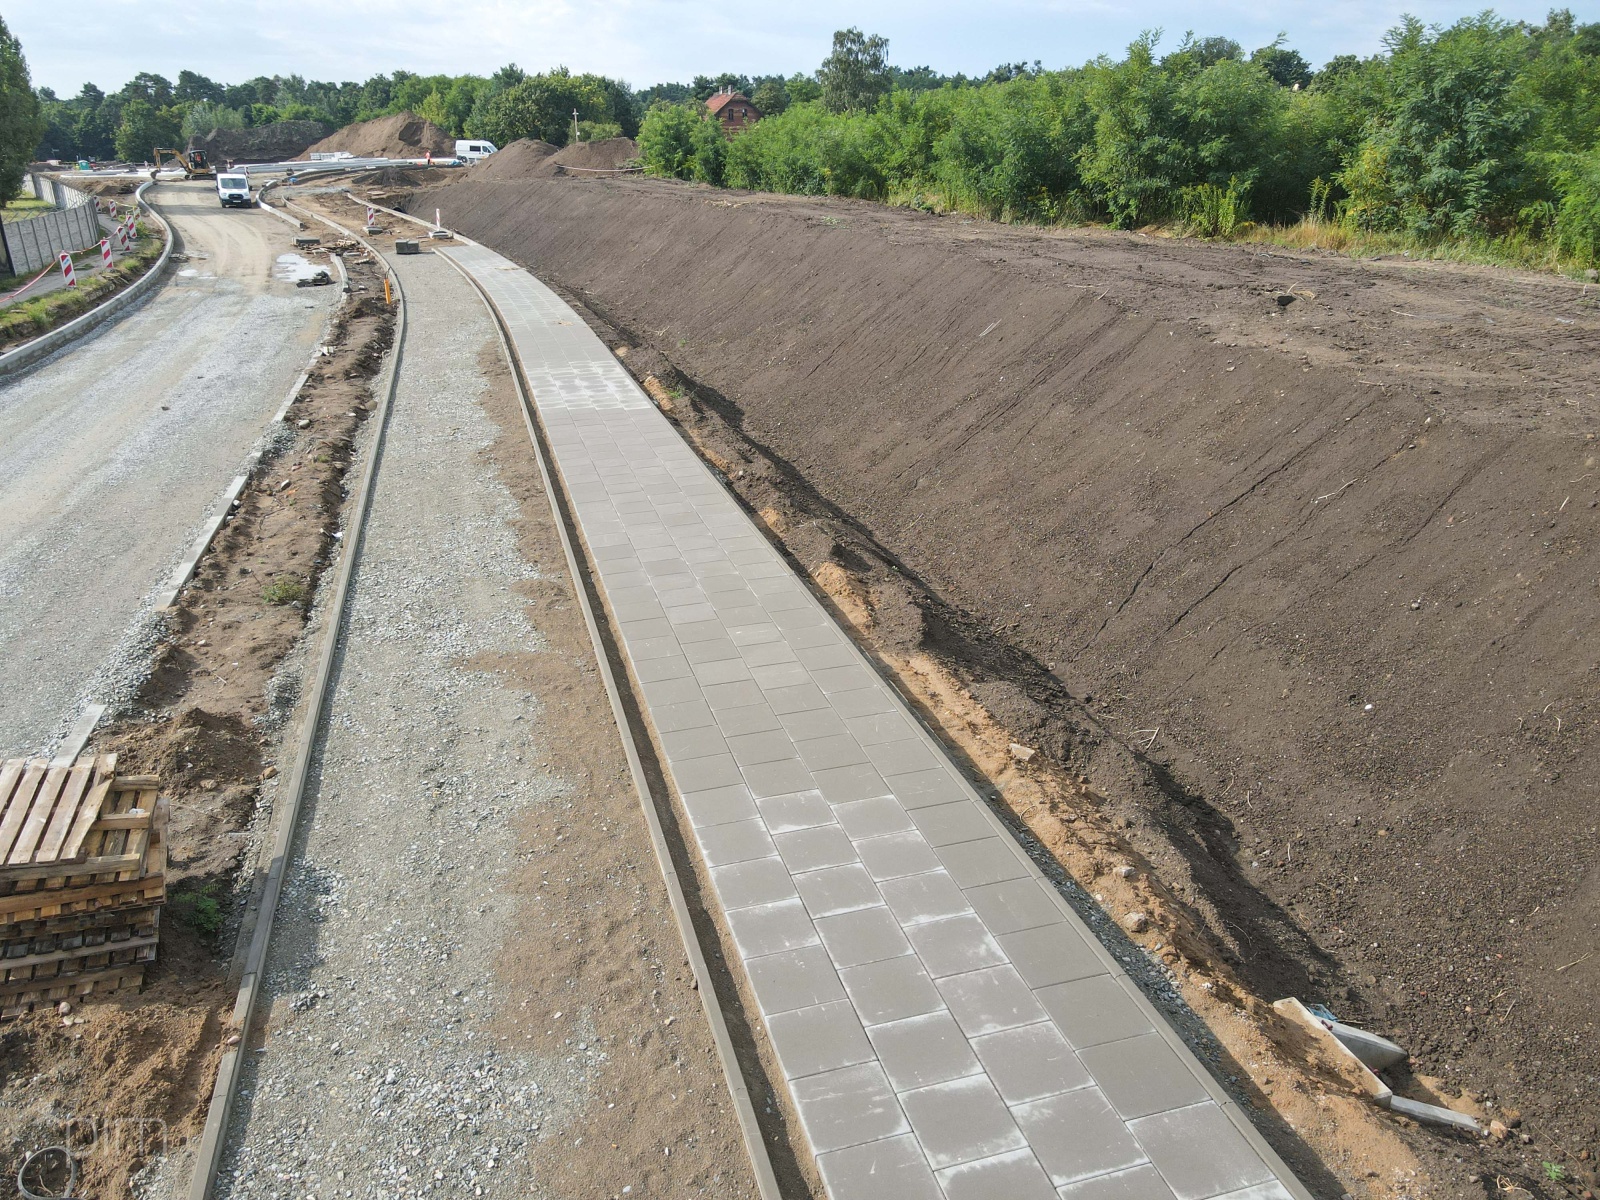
x,y
208,1156
185,570
78,737
275,210
744,1107
30,353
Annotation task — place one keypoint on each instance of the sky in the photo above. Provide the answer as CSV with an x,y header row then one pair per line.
x,y
652,41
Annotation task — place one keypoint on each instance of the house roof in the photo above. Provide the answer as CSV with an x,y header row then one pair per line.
x,y
722,99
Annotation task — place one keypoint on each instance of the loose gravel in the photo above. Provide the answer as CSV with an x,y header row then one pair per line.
x,y
111,453
400,1055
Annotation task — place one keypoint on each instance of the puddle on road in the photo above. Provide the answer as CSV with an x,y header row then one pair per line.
x,y
291,268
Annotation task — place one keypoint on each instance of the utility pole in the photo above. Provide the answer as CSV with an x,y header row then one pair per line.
x,y
574,124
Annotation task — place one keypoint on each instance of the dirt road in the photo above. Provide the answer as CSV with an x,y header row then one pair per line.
x,y
112,453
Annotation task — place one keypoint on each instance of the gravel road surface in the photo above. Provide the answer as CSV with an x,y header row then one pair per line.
x,y
474,986
112,453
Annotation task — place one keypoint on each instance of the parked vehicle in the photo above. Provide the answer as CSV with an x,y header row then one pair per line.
x,y
469,151
234,190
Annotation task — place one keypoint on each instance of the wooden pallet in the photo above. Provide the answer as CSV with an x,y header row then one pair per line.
x,y
83,859
16,999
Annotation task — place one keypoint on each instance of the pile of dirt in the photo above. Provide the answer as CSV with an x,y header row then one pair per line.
x,y
283,141
609,155
525,158
404,135
406,178
1286,559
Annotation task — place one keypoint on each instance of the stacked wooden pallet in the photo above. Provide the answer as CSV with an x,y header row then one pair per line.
x,y
83,863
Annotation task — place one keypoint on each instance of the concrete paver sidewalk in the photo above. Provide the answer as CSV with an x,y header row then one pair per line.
x,y
947,1026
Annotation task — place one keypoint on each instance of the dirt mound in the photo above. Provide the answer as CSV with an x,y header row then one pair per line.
x,y
531,159
608,155
280,142
406,177
1291,557
525,158
404,135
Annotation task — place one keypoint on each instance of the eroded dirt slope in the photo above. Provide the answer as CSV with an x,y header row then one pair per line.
x,y
1314,538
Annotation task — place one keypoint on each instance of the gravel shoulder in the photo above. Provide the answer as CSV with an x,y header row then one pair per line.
x,y
111,454
474,982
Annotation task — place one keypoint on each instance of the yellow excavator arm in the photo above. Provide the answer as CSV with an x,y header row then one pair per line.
x,y
194,162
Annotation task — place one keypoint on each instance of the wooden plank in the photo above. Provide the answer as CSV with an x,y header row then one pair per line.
x,y
90,812
10,774
99,865
63,956
72,799
16,811
82,985
134,818
135,783
38,817
140,891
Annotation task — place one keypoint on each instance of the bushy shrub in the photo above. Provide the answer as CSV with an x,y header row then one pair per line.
x,y
1577,222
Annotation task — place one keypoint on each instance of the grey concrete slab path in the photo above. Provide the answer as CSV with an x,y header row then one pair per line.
x,y
945,1023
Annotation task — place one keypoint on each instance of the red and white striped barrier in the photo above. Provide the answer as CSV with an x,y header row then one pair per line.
x,y
66,270
105,252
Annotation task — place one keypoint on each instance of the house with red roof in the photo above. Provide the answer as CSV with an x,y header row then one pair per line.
x,y
733,111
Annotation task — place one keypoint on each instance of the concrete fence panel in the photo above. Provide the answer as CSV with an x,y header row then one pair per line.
x,y
36,242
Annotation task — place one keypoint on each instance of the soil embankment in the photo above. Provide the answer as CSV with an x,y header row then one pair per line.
x,y
527,158
1289,559
404,135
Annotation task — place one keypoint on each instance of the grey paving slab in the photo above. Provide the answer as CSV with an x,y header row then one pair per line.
x,y
947,1026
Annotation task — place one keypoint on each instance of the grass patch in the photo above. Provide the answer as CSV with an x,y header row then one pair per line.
x,y
24,207
1312,233
284,591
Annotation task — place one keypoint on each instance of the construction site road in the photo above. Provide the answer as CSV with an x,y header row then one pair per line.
x,y
112,453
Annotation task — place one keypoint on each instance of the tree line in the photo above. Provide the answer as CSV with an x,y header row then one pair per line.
x,y
1484,131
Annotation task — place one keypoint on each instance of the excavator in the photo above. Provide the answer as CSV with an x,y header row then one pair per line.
x,y
195,164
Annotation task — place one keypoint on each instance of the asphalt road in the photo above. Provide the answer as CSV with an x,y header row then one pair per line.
x,y
112,453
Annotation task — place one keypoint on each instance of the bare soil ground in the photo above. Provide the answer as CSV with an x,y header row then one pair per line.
x,y
131,1076
1283,563
403,135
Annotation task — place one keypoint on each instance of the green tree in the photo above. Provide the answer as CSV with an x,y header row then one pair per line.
x,y
705,86
143,128
192,87
155,90
541,106
1448,157
802,88
1288,68
1135,162
771,98
203,118
21,125
855,75
681,141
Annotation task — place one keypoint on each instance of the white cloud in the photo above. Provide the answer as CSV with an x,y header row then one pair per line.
x,y
647,41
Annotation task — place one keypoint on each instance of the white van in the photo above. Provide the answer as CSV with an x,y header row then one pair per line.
x,y
233,189
469,151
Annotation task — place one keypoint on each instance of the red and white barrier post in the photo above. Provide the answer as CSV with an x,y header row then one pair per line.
x,y
66,270
105,252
